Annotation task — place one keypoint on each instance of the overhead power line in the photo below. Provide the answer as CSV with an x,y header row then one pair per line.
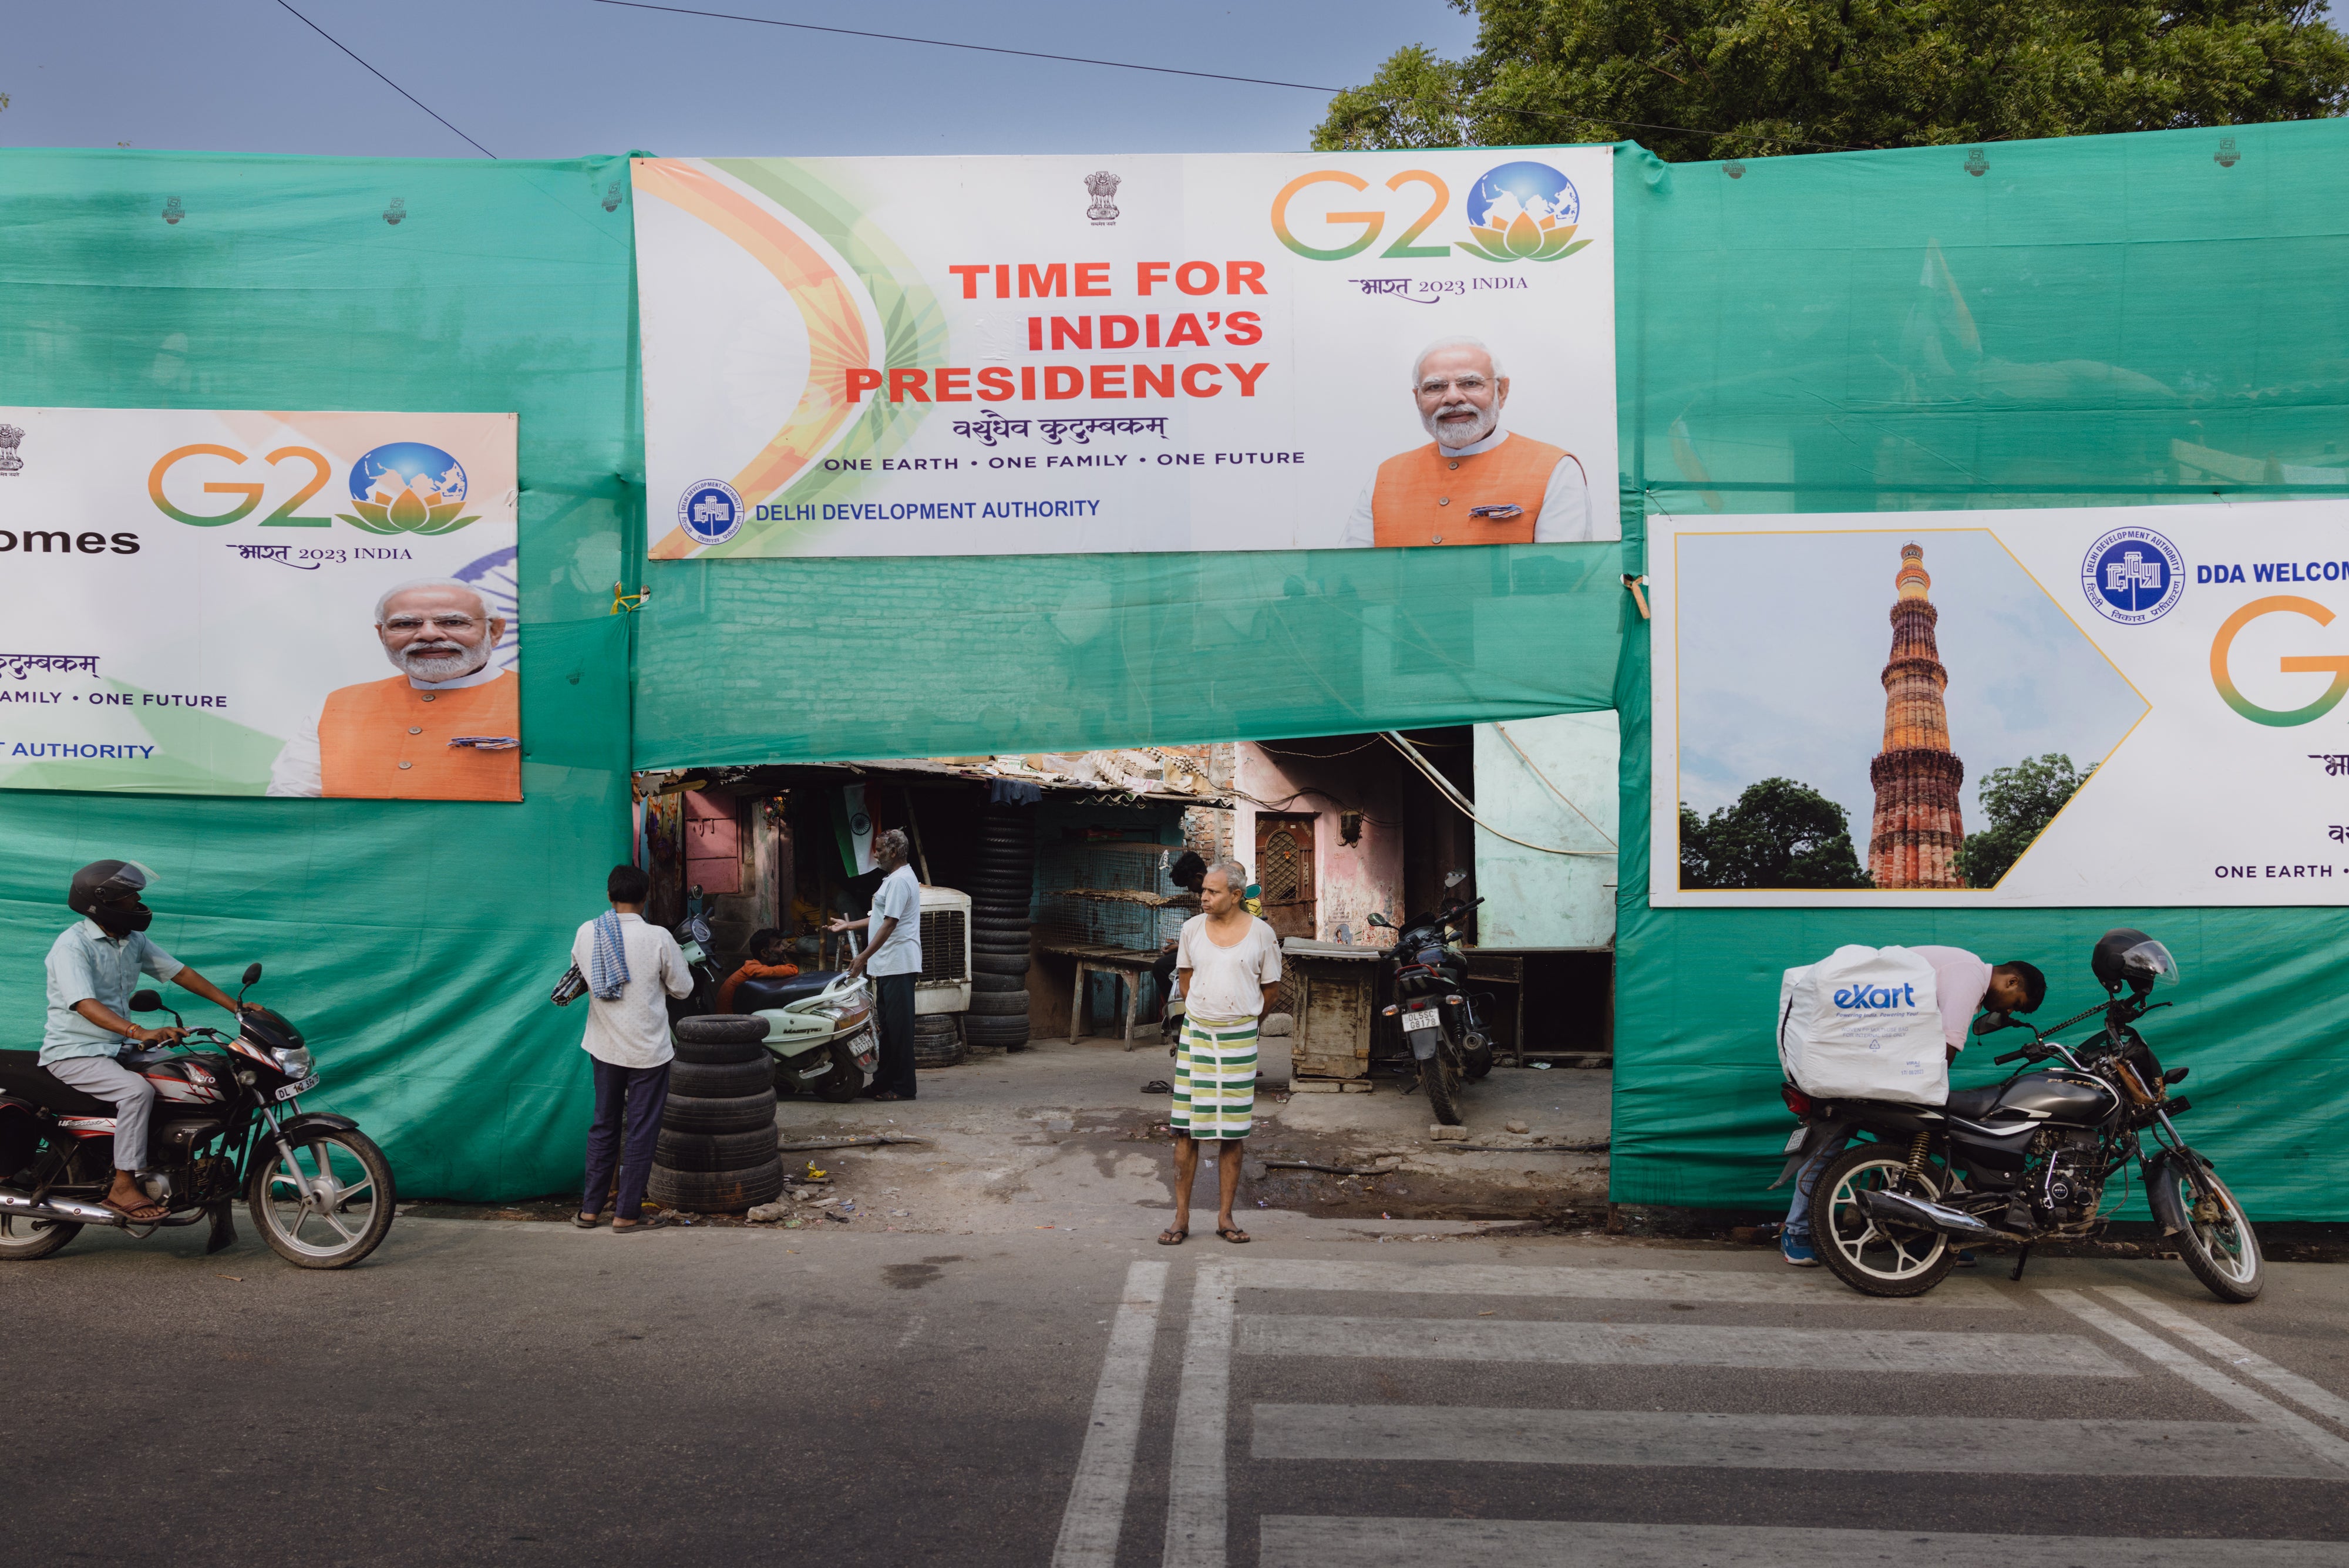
x,y
383,79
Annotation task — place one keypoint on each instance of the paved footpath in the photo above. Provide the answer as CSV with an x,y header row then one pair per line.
x,y
528,1394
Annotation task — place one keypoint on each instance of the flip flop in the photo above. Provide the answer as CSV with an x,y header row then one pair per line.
x,y
1232,1234
1158,1086
1171,1237
587,1221
146,1213
649,1222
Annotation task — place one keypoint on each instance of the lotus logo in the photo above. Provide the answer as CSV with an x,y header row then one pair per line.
x,y
1523,212
408,487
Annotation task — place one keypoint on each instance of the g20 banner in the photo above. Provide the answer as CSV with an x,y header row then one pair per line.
x,y
990,356
2120,705
238,602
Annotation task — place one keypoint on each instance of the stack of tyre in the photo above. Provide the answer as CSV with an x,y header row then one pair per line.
x,y
716,1153
936,1042
1000,899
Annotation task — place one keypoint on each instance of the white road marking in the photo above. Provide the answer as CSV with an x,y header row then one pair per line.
x,y
1870,1350
912,1331
1295,1541
2208,1380
1993,1445
2210,1341
1195,1521
1096,1511
1786,1288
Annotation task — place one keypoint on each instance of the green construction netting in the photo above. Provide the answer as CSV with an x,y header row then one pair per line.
x,y
414,942
2105,320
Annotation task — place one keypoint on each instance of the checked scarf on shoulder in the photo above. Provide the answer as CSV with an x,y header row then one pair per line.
x,y
607,965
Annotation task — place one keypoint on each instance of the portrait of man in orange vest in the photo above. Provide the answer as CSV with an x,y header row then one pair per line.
x,y
1476,484
447,727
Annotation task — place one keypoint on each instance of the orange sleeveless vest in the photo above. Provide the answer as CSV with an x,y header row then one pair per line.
x,y
1424,497
386,741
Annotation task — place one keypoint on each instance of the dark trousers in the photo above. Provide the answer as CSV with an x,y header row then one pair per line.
x,y
628,1102
893,1014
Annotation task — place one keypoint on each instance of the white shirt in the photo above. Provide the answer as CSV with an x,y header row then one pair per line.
x,y
899,895
300,771
632,1029
1227,982
1565,517
1960,981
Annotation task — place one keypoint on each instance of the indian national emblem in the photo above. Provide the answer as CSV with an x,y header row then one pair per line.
x,y
1104,185
10,464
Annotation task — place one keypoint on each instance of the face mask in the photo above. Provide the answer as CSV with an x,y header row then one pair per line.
x,y
117,920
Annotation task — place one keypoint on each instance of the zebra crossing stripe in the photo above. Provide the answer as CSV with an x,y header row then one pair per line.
x,y
1096,1509
2212,1343
1721,1286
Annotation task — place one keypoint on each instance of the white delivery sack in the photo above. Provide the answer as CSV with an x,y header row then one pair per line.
x,y
1864,1025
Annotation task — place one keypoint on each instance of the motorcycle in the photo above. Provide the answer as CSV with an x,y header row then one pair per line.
x,y
1441,1021
819,1031
2026,1160
227,1119
693,941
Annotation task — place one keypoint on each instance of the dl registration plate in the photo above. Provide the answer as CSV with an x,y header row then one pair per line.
x,y
1420,1018
304,1087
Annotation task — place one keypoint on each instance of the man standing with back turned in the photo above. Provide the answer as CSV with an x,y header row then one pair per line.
x,y
893,957
629,965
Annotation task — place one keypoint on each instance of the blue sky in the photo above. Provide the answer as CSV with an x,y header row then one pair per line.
x,y
552,78
1783,639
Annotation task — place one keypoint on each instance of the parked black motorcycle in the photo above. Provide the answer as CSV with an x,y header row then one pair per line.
x,y
225,1121
2027,1160
1441,1021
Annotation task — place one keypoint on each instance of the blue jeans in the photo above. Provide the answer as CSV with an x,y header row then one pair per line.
x,y
1799,1213
628,1103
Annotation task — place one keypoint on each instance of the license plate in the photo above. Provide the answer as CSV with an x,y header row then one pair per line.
x,y
304,1087
1420,1018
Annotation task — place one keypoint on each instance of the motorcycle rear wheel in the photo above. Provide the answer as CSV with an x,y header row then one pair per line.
x,y
840,1085
317,1231
24,1238
2218,1242
1441,1079
1870,1258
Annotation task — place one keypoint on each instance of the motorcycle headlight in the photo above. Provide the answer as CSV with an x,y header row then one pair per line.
x,y
294,1063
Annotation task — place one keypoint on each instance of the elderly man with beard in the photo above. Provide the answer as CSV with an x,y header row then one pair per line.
x,y
1476,484
447,727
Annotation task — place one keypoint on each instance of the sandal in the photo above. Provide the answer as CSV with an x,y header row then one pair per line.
x,y
1232,1234
586,1221
146,1213
1158,1086
1171,1237
649,1222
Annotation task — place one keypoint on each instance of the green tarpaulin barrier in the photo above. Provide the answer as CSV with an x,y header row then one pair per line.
x,y
2103,320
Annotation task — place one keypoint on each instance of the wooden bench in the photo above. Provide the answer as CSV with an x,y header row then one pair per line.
x,y
1129,964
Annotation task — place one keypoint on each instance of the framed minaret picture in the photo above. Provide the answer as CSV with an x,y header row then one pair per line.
x,y
2069,706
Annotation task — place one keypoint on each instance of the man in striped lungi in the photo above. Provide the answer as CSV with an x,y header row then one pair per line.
x,y
1228,963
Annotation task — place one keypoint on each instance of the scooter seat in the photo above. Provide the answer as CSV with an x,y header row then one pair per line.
x,y
1973,1104
22,1075
755,995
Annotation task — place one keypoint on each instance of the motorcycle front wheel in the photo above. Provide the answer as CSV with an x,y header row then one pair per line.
x,y
328,1206
840,1085
1873,1258
24,1238
2218,1242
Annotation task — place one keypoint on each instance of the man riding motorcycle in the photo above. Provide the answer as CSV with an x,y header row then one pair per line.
x,y
92,967
1961,983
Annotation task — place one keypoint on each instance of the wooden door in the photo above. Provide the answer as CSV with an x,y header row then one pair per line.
x,y
1284,870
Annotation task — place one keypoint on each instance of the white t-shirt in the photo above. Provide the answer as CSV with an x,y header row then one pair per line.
x,y
632,1029
1960,981
900,894
1226,982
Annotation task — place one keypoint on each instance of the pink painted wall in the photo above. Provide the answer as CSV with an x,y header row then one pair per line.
x,y
1348,881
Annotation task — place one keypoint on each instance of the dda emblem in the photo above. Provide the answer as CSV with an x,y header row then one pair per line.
x,y
2132,576
1104,185
710,512
11,465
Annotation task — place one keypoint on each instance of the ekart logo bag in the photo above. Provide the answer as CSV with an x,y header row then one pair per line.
x,y
1864,1024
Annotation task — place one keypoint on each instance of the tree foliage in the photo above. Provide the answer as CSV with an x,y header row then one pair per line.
x,y
1695,79
2019,802
1780,834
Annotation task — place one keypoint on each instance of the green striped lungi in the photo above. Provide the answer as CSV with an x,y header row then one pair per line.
x,y
1215,1077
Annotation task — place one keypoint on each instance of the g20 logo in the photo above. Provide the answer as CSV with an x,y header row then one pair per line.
x,y
1373,222
250,489
1522,211
2335,664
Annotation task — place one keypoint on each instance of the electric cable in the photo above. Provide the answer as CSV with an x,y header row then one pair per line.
x,y
384,79
1503,730
1467,807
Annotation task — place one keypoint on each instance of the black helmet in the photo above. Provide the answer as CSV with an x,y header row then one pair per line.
x,y
2130,957
107,892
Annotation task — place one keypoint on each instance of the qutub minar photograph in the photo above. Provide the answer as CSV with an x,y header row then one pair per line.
x,y
1930,760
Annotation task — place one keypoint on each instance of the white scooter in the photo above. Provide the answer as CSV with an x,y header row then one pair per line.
x,y
824,1045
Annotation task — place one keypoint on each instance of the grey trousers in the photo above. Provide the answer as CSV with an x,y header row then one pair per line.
x,y
133,1097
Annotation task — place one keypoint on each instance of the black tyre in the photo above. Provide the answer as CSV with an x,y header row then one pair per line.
x,y
998,933
1021,952
990,1031
1872,1258
840,1085
715,1028
23,1239
1480,1062
986,964
1441,1079
982,983
733,1114
998,1004
997,884
2218,1242
939,1053
713,1151
715,1191
933,1023
720,1080
328,1207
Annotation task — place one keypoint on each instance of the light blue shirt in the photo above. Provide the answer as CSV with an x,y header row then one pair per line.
x,y
901,895
87,965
